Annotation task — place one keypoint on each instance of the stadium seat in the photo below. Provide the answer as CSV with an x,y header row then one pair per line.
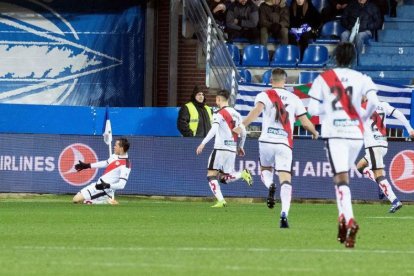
x,y
267,76
330,32
234,53
255,56
308,76
315,56
285,56
319,4
245,76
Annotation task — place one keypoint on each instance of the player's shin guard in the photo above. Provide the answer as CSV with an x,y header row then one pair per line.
x,y
386,188
215,187
267,177
285,196
344,194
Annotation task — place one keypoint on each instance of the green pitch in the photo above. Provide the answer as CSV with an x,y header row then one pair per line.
x,y
51,236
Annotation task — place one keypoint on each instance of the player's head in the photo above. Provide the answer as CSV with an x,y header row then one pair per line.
x,y
222,97
121,146
345,54
279,77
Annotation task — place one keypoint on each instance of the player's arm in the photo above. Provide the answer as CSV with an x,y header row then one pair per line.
x,y
252,116
372,104
82,166
123,178
240,147
309,126
400,117
315,106
210,135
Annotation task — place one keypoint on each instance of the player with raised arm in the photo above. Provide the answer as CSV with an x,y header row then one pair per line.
x,y
336,96
376,147
114,177
279,107
221,162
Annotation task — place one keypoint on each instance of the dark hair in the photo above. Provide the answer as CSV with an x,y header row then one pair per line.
x,y
123,143
278,74
224,93
345,54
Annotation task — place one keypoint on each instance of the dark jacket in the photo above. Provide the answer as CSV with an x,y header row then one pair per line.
x,y
183,120
273,14
305,14
247,15
369,16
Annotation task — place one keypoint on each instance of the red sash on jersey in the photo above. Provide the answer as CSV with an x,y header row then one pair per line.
x,y
115,164
332,81
230,122
283,114
378,121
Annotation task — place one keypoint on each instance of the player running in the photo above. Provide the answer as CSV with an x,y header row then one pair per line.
x,y
336,96
376,147
114,178
279,108
222,159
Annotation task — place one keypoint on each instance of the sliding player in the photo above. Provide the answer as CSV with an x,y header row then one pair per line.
x,y
221,162
114,178
376,147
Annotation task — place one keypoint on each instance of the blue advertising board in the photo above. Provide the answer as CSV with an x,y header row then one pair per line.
x,y
169,166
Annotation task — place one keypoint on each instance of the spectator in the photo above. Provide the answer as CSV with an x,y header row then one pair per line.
x,y
218,9
333,9
241,21
304,23
274,20
194,118
369,22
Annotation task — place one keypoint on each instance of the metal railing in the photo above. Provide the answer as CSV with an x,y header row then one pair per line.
x,y
221,71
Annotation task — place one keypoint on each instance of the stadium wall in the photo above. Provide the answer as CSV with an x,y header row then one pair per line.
x,y
168,166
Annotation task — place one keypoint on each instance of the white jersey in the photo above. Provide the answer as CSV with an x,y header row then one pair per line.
x,y
340,93
117,171
224,121
375,127
280,109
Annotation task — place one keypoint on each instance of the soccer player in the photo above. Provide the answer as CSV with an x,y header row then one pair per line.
x,y
376,147
221,162
336,95
279,108
114,177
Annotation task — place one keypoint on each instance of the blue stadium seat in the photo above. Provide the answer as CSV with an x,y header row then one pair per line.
x,y
319,4
315,56
245,76
255,56
286,56
331,32
234,53
308,76
267,76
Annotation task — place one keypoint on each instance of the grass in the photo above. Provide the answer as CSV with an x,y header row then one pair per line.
x,y
51,236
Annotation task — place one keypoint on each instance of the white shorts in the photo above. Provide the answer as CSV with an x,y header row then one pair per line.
x,y
342,153
375,157
94,196
222,160
277,156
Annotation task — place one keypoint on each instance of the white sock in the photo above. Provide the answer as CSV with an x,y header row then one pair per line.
x,y
285,197
367,172
231,177
386,188
267,177
338,202
345,201
215,188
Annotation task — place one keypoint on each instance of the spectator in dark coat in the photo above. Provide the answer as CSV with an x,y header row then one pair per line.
x,y
370,20
241,21
274,21
305,21
333,9
219,9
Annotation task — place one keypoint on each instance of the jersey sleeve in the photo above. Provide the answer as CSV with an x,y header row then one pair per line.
x,y
214,127
123,178
368,85
387,108
316,89
103,164
262,98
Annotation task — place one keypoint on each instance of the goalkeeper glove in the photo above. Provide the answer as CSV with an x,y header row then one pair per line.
x,y
103,185
81,166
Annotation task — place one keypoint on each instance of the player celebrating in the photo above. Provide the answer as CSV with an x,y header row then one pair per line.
x,y
114,178
222,159
279,108
376,146
336,95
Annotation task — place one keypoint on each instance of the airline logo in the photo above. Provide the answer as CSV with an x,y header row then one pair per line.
x,y
402,171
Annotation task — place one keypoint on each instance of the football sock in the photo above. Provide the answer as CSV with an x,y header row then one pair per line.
x,y
386,188
368,173
267,177
215,187
345,200
338,202
231,177
285,196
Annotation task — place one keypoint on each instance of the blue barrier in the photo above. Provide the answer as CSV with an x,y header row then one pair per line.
x,y
80,120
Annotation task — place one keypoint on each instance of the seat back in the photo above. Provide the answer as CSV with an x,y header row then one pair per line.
x,y
308,76
255,56
332,28
286,56
234,53
267,76
314,56
245,75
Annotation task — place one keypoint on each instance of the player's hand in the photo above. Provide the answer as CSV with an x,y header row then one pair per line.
x,y
200,149
315,136
241,152
103,185
81,166
237,130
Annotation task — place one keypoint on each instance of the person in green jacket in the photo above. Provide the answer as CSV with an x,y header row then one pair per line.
x,y
194,118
